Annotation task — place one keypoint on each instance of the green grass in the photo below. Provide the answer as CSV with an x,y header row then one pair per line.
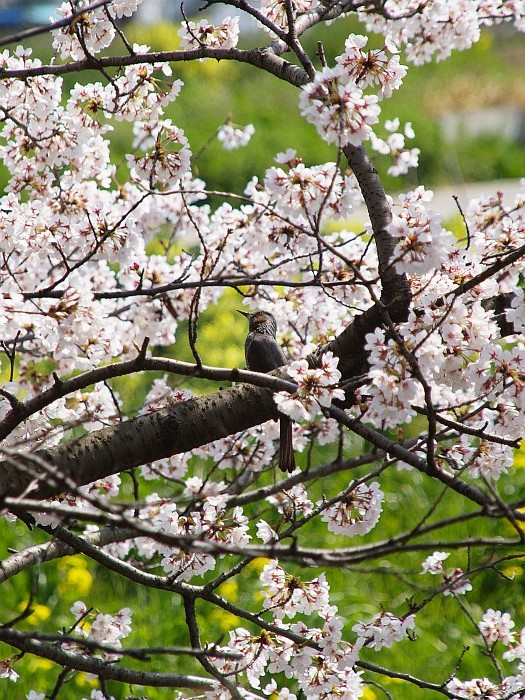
x,y
358,591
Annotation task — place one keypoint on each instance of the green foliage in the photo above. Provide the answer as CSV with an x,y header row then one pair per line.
x,y
215,91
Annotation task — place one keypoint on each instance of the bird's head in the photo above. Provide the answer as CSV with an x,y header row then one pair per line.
x,y
261,322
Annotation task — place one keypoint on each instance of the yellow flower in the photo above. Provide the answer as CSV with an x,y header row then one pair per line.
x,y
229,590
38,664
76,577
257,564
224,619
39,614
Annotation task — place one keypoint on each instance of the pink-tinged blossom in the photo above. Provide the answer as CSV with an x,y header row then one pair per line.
x,y
515,313
395,146
393,389
490,460
516,651
427,29
457,583
139,94
293,503
484,688
319,191
378,68
434,563
232,136
496,626
195,35
315,389
422,243
384,630
283,694
338,109
288,595
275,11
356,512
101,628
266,533
95,28
99,695
209,519
124,8
7,672
167,162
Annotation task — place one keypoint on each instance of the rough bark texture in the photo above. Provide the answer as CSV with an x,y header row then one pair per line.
x,y
179,428
349,346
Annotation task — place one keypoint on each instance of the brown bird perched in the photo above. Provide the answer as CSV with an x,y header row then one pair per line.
x,y
263,354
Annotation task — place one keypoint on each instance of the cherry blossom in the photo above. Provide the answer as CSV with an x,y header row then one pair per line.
x,y
169,160
315,388
373,67
484,688
422,241
384,630
319,191
457,583
275,11
394,146
224,35
434,563
338,109
103,628
7,672
93,32
496,626
232,137
357,512
288,595
97,257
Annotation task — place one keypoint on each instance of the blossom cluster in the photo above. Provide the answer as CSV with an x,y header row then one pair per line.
x,y
277,14
195,35
394,146
234,136
336,104
317,658
93,262
357,512
496,628
455,582
338,108
316,193
452,339
436,28
316,388
103,629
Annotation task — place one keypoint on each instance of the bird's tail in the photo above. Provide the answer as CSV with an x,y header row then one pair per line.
x,y
286,455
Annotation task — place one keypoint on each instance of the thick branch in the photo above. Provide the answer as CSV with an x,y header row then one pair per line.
x,y
263,58
179,428
103,669
349,346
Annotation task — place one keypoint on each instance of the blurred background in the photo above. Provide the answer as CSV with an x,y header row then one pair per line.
x,y
468,112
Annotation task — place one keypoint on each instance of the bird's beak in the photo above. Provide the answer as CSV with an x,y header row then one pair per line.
x,y
244,313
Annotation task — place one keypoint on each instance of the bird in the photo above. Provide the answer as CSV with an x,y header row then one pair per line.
x,y
264,354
